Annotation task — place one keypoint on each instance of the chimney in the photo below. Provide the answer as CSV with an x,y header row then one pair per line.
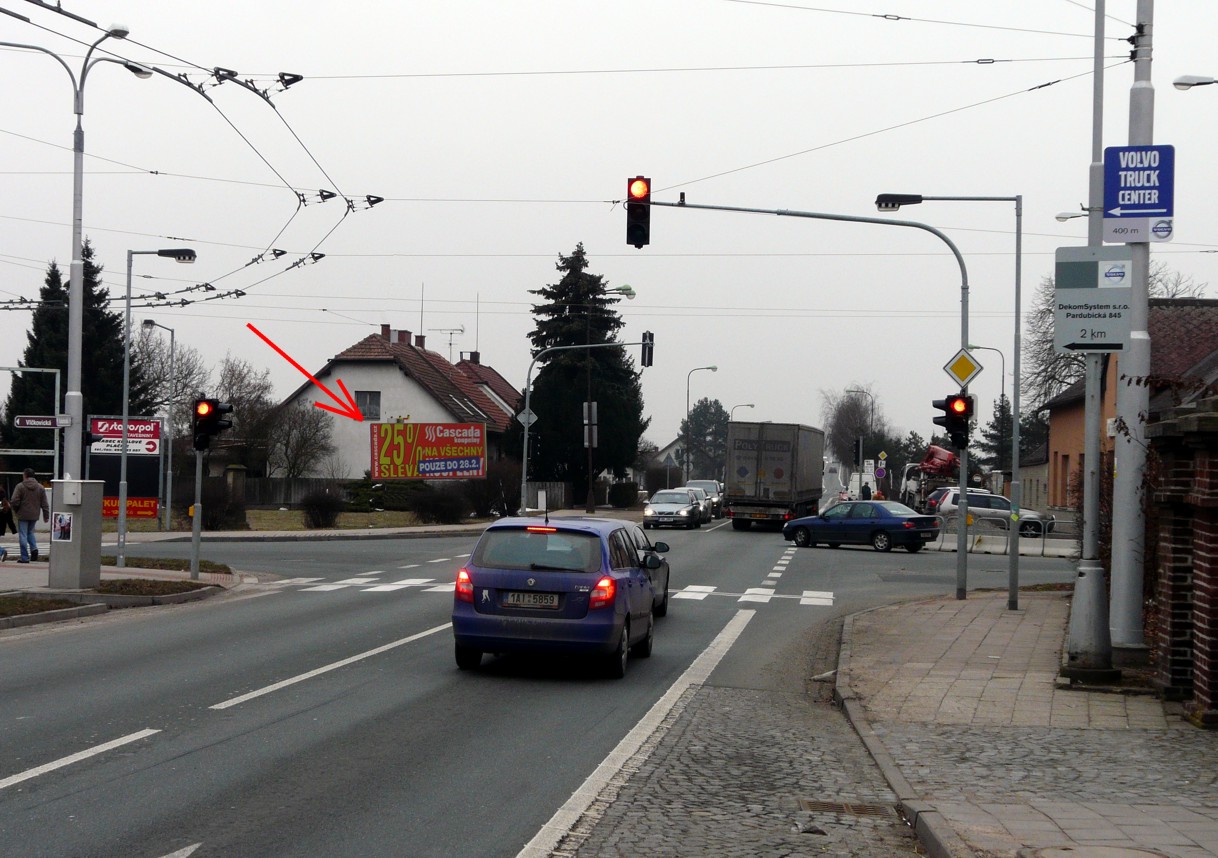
x,y
385,331
403,337
420,341
475,357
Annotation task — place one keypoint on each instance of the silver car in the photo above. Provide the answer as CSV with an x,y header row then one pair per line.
x,y
997,508
672,508
712,488
704,502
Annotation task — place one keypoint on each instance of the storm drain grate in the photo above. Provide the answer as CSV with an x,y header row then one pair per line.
x,y
813,806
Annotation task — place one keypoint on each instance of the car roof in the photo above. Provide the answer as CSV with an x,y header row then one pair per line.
x,y
571,523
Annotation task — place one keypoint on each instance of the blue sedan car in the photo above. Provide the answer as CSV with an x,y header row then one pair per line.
x,y
573,585
881,524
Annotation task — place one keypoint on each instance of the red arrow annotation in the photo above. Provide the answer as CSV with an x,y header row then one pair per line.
x,y
344,409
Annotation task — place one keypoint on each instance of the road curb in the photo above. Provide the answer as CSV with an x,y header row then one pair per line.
x,y
22,620
931,828
121,600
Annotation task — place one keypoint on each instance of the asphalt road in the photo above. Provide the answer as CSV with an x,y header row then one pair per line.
x,y
320,712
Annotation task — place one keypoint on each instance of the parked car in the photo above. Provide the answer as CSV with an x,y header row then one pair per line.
x,y
998,508
586,586
704,502
714,490
673,507
933,499
881,524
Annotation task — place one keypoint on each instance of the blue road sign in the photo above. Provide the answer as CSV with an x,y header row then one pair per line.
x,y
1139,181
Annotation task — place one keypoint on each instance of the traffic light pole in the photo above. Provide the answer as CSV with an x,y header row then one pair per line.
x,y
962,532
196,523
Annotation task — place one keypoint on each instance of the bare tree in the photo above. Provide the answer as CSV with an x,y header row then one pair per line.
x,y
849,415
1047,373
302,442
190,375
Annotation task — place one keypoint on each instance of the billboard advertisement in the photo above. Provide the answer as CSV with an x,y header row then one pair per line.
x,y
144,443
428,451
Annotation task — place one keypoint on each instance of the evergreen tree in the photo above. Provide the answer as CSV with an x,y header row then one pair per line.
x,y
705,437
995,442
47,348
579,311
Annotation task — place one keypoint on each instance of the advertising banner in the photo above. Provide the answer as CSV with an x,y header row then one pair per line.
x,y
428,451
144,446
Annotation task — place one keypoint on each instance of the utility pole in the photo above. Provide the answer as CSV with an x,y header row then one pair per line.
x,y
1133,399
1088,642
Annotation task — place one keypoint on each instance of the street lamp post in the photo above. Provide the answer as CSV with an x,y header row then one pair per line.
x,y
961,540
73,398
870,425
688,434
732,414
181,254
151,323
892,202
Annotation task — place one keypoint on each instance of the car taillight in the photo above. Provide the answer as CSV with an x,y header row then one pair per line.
x,y
602,593
465,587
908,525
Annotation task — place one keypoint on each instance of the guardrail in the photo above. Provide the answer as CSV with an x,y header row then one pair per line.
x,y
993,536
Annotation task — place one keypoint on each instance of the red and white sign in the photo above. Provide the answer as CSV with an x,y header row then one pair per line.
x,y
143,436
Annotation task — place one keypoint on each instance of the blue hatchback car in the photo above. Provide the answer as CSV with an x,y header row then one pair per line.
x,y
573,585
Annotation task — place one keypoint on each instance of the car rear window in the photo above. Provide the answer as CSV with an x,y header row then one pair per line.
x,y
541,549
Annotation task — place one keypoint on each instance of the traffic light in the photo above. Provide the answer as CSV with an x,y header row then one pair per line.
x,y
638,211
957,412
208,419
858,452
649,348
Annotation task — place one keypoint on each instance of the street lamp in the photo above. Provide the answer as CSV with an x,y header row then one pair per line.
x,y
74,399
688,435
181,254
732,414
591,429
149,324
892,202
1188,81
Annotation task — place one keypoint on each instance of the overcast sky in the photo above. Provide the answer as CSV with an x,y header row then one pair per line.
x,y
500,134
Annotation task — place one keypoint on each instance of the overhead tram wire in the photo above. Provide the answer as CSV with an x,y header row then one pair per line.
x,y
221,76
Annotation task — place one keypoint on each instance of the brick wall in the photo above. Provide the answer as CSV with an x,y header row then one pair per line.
x,y
1184,639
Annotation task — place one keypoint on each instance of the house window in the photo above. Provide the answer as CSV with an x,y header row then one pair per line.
x,y
369,403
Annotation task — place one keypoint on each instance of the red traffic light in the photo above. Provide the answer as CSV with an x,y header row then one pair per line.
x,y
639,188
203,408
958,405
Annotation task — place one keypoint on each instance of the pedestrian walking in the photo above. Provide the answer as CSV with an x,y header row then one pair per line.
x,y
29,501
7,524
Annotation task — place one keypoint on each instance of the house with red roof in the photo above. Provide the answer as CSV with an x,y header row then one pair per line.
x,y
394,377
1183,366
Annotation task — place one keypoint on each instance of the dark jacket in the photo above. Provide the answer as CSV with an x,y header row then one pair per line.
x,y
29,500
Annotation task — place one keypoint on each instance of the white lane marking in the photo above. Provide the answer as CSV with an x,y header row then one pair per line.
x,y
467,554
561,823
327,668
816,597
398,585
407,566
440,560
359,580
757,594
325,588
774,575
76,758
286,581
693,591
441,588
183,853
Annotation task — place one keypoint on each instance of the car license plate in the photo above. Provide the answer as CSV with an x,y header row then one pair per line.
x,y
525,599
927,535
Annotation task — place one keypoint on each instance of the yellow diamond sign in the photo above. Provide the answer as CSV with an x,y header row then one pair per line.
x,y
963,367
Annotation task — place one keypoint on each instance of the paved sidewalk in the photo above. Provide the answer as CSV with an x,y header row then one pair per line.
x,y
990,754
